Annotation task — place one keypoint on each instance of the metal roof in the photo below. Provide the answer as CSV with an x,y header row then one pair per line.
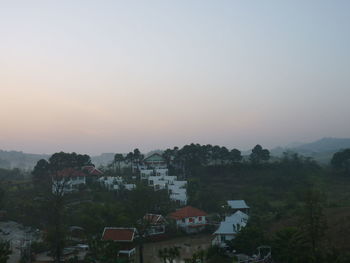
x,y
237,204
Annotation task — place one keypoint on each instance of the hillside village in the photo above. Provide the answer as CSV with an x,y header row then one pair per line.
x,y
152,171
179,204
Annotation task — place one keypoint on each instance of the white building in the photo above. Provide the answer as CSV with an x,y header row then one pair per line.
x,y
177,191
229,228
161,182
67,180
190,219
146,173
115,183
111,182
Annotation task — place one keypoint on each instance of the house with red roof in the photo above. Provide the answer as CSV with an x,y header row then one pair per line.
x,y
67,180
190,219
92,170
125,237
155,224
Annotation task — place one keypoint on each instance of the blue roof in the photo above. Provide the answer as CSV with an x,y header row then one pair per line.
x,y
237,204
232,224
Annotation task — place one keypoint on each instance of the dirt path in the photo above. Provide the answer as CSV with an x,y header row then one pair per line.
x,y
188,245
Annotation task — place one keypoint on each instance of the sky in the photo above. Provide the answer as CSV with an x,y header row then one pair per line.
x,y
110,76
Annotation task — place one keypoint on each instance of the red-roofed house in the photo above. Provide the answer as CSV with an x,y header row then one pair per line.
x,y
190,219
156,224
67,180
124,236
92,170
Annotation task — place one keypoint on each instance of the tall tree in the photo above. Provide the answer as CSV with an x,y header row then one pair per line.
x,y
235,156
118,159
290,246
55,202
41,173
341,161
259,154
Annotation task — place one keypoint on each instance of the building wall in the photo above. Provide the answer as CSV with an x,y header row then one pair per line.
x,y
190,221
220,239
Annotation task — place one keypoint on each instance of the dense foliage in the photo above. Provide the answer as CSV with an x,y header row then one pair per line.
x,y
290,198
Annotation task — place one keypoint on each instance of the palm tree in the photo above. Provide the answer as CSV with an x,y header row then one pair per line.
x,y
118,158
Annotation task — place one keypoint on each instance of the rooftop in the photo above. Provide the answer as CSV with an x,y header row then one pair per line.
x,y
187,211
237,204
119,234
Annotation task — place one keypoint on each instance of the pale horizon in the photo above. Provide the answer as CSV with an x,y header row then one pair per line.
x,y
93,78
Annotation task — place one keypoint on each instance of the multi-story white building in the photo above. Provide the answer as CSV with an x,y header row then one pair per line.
x,y
177,191
146,173
115,183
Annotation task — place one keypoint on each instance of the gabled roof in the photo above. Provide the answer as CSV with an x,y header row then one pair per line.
x,y
154,157
237,218
92,170
154,219
232,224
187,211
226,228
237,204
119,234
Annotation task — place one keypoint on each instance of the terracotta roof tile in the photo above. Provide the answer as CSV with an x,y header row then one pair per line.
x,y
187,211
119,234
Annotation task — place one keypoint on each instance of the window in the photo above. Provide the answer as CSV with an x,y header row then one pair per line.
x,y
200,218
190,220
183,220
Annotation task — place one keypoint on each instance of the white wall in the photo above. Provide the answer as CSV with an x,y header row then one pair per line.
x,y
186,222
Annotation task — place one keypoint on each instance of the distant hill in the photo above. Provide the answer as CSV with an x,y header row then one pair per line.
x,y
321,150
27,161
325,145
21,160
103,159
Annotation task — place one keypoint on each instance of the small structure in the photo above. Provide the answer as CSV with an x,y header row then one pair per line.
x,y
125,237
155,161
92,170
229,228
190,219
156,224
238,205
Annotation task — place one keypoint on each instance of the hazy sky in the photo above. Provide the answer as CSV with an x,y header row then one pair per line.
x,y
109,76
